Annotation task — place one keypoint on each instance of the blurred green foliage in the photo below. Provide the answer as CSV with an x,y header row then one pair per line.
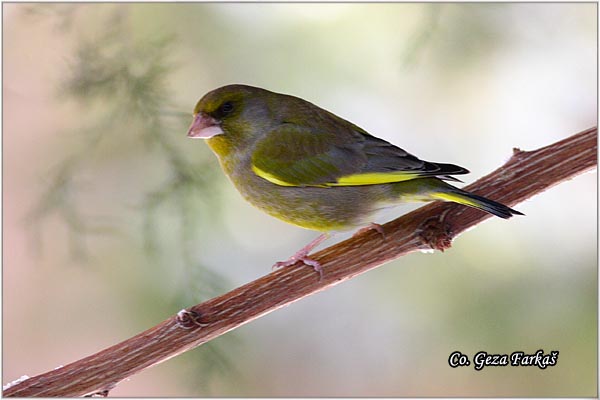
x,y
120,84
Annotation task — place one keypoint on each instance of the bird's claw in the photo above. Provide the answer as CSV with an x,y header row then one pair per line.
x,y
302,255
305,259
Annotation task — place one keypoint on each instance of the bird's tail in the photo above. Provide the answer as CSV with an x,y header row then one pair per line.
x,y
479,202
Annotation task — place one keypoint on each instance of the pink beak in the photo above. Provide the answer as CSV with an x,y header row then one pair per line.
x,y
204,127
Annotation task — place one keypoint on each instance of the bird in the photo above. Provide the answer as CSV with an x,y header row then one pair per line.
x,y
313,169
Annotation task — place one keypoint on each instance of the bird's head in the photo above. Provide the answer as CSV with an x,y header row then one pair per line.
x,y
233,115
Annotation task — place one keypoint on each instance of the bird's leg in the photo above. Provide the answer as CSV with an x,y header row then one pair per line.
x,y
371,226
302,255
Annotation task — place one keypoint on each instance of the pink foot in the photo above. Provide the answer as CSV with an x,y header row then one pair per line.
x,y
371,226
302,255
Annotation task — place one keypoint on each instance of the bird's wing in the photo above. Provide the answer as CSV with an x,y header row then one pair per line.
x,y
293,155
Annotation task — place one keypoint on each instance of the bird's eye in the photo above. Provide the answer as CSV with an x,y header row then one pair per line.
x,y
226,107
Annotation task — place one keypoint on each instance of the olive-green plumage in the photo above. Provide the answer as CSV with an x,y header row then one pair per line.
x,y
311,168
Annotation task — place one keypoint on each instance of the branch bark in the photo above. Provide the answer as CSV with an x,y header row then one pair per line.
x,y
527,173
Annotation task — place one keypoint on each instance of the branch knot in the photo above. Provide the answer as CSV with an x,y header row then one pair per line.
x,y
187,319
436,233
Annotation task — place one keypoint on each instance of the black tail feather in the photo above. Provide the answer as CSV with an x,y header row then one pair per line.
x,y
491,206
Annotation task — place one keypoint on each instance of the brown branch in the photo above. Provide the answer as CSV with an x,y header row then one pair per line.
x,y
434,226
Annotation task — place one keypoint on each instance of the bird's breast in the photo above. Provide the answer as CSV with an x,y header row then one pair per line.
x,y
317,208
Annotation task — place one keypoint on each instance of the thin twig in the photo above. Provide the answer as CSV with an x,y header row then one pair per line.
x,y
526,174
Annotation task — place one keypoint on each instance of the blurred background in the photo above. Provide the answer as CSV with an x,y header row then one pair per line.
x,y
114,220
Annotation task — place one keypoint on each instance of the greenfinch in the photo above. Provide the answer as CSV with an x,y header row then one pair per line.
x,y
311,168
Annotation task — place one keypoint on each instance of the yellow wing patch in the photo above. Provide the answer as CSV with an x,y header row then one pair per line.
x,y
270,177
374,178
349,180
